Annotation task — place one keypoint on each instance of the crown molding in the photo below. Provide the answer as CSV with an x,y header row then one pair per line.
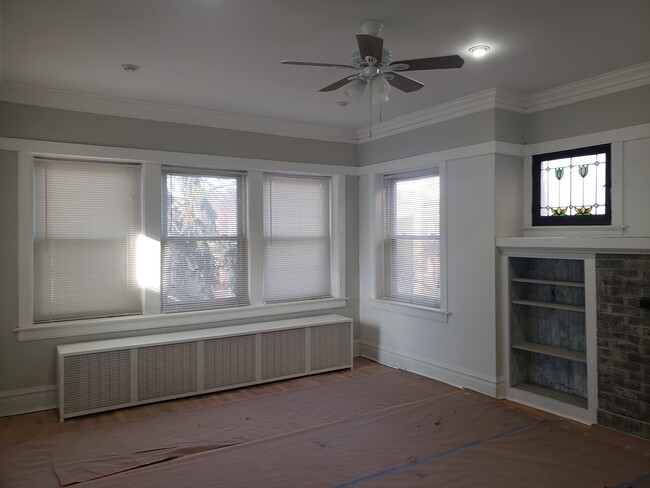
x,y
596,86
45,97
478,102
499,98
495,98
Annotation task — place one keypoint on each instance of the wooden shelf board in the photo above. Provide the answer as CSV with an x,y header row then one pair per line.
x,y
577,284
568,398
558,306
558,352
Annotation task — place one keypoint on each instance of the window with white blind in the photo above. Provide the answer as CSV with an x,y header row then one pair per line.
x,y
116,243
296,238
86,224
411,238
204,245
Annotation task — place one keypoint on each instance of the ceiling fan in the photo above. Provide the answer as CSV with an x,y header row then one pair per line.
x,y
376,68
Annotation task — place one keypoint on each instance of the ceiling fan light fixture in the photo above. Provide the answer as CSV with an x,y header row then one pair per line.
x,y
379,87
379,101
355,89
479,51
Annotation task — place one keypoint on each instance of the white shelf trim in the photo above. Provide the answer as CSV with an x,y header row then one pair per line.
x,y
557,306
558,352
560,396
548,282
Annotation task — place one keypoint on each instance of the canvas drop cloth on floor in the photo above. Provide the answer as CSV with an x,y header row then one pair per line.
x,y
393,429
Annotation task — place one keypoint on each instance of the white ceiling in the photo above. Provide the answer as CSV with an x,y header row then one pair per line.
x,y
224,55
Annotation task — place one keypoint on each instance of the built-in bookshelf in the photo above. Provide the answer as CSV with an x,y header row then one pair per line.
x,y
548,354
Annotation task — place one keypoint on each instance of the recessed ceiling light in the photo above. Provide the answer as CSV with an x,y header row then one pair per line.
x,y
342,103
130,68
479,51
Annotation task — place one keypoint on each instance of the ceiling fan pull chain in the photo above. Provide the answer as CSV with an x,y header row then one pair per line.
x,y
370,101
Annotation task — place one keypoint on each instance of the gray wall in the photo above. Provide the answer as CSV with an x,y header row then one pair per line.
x,y
49,124
462,131
622,109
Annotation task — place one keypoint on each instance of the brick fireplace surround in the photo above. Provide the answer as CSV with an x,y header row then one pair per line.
x,y
623,336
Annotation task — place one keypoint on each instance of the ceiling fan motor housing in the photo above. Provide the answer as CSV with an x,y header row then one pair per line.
x,y
358,62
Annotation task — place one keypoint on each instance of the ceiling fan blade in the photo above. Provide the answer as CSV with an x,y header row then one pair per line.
x,y
323,65
338,84
440,62
370,46
403,83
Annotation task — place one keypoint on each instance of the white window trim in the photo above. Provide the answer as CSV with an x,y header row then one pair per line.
x,y
376,231
152,162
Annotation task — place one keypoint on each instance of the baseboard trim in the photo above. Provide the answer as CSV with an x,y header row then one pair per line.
x,y
447,373
356,348
27,400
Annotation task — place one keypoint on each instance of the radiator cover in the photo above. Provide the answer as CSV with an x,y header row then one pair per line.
x,y
110,374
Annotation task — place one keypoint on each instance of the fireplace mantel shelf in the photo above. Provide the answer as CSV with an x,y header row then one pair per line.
x,y
623,245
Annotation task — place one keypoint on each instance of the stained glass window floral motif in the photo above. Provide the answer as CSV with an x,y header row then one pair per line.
x,y
572,187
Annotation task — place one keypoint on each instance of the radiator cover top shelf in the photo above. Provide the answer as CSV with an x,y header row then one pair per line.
x,y
116,373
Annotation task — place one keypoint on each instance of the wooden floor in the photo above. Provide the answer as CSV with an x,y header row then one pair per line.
x,y
29,426
18,428
402,423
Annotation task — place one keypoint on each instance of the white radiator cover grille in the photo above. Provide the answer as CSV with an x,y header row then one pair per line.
x,y
97,381
104,375
329,346
283,353
166,371
229,361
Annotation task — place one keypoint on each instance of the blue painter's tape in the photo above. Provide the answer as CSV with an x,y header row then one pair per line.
x,y
438,455
634,483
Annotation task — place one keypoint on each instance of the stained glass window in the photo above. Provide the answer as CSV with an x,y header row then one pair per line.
x,y
572,187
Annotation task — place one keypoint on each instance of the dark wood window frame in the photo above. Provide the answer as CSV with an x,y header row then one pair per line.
x,y
576,220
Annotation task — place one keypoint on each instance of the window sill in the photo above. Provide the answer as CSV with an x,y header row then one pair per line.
x,y
418,311
143,322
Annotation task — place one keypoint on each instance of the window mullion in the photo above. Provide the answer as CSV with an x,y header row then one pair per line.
x,y
152,194
255,197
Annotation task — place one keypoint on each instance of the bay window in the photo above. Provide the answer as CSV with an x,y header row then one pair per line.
x,y
118,245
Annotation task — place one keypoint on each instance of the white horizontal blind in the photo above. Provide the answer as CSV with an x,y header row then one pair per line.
x,y
204,246
296,238
87,220
411,242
